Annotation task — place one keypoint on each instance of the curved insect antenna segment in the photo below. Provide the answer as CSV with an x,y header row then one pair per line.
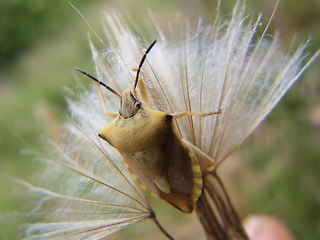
x,y
140,65
98,81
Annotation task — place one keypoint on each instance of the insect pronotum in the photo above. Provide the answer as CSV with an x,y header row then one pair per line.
x,y
164,163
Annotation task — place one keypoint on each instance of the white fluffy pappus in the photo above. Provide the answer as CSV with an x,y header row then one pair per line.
x,y
201,69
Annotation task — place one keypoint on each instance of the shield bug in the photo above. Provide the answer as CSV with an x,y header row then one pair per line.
x,y
166,165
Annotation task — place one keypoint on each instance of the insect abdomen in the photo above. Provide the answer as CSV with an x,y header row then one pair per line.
x,y
196,176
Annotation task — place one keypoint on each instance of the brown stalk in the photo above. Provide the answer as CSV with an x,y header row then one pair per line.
x,y
216,212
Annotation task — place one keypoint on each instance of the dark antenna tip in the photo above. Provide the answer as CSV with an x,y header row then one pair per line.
x,y
141,63
98,81
79,70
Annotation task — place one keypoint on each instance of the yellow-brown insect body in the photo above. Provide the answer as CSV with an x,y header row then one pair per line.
x,y
163,162
154,153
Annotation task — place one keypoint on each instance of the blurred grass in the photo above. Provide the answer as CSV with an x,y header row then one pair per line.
x,y
277,170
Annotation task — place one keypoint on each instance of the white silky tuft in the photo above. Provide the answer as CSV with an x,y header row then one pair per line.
x,y
86,191
225,65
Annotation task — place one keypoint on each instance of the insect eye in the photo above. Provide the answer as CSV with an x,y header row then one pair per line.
x,y
137,104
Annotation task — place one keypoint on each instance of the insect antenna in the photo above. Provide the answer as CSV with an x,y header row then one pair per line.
x,y
98,81
140,65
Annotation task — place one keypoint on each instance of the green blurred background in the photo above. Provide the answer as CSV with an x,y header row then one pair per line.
x,y
275,172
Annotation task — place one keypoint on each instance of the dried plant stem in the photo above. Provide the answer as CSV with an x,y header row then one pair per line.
x,y
216,213
153,217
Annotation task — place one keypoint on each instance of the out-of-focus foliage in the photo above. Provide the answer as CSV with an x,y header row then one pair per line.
x,y
23,22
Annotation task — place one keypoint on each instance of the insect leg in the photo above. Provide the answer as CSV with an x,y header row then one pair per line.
x,y
200,154
142,89
143,93
103,103
199,114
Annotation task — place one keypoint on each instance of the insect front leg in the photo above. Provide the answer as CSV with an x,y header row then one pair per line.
x,y
210,162
104,105
142,89
143,93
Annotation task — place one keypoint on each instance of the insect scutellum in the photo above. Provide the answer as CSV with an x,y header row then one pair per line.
x,y
129,103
